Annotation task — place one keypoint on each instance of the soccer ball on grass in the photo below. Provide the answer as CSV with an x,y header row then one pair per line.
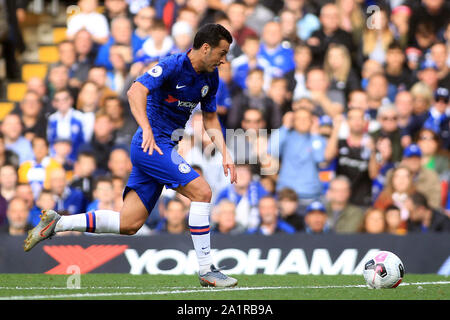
x,y
383,270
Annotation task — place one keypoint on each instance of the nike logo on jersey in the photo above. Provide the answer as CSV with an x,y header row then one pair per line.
x,y
179,87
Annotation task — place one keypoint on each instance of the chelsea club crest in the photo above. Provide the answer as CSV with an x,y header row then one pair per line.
x,y
204,91
184,168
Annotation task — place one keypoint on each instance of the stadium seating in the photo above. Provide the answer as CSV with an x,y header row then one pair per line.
x,y
15,91
30,70
48,54
5,108
59,34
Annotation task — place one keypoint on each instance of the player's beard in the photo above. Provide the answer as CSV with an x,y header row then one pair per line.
x,y
209,65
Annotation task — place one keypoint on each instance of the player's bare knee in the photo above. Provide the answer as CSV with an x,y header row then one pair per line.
x,y
203,195
130,229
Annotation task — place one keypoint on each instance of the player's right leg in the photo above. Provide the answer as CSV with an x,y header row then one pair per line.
x,y
199,192
128,221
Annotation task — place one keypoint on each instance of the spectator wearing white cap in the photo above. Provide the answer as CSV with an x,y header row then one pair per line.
x,y
182,34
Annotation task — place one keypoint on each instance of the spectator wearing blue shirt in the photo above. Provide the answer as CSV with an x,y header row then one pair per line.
x,y
245,194
307,22
103,195
118,56
11,129
45,201
327,169
65,124
439,115
271,223
67,199
247,61
422,101
158,46
301,149
277,53
143,21
121,34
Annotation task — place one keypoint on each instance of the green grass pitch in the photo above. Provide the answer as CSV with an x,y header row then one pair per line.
x,y
186,287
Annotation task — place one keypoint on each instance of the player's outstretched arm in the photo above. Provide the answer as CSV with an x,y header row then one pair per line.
x,y
137,96
214,130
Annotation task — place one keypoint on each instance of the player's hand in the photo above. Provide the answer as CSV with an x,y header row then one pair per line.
x,y
228,165
148,142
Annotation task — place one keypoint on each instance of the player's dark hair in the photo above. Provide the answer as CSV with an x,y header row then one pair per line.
x,y
211,34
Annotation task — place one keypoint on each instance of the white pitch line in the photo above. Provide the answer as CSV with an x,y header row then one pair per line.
x,y
111,294
62,288
365,286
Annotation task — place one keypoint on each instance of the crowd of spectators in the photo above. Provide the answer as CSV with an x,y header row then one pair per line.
x,y
342,107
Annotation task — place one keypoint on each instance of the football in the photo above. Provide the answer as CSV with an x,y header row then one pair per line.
x,y
383,270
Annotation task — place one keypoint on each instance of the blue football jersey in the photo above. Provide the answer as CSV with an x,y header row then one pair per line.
x,y
175,90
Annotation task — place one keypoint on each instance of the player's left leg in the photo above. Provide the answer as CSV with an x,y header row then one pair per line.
x,y
98,221
199,192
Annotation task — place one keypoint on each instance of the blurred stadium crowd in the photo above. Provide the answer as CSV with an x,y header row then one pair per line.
x,y
344,107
